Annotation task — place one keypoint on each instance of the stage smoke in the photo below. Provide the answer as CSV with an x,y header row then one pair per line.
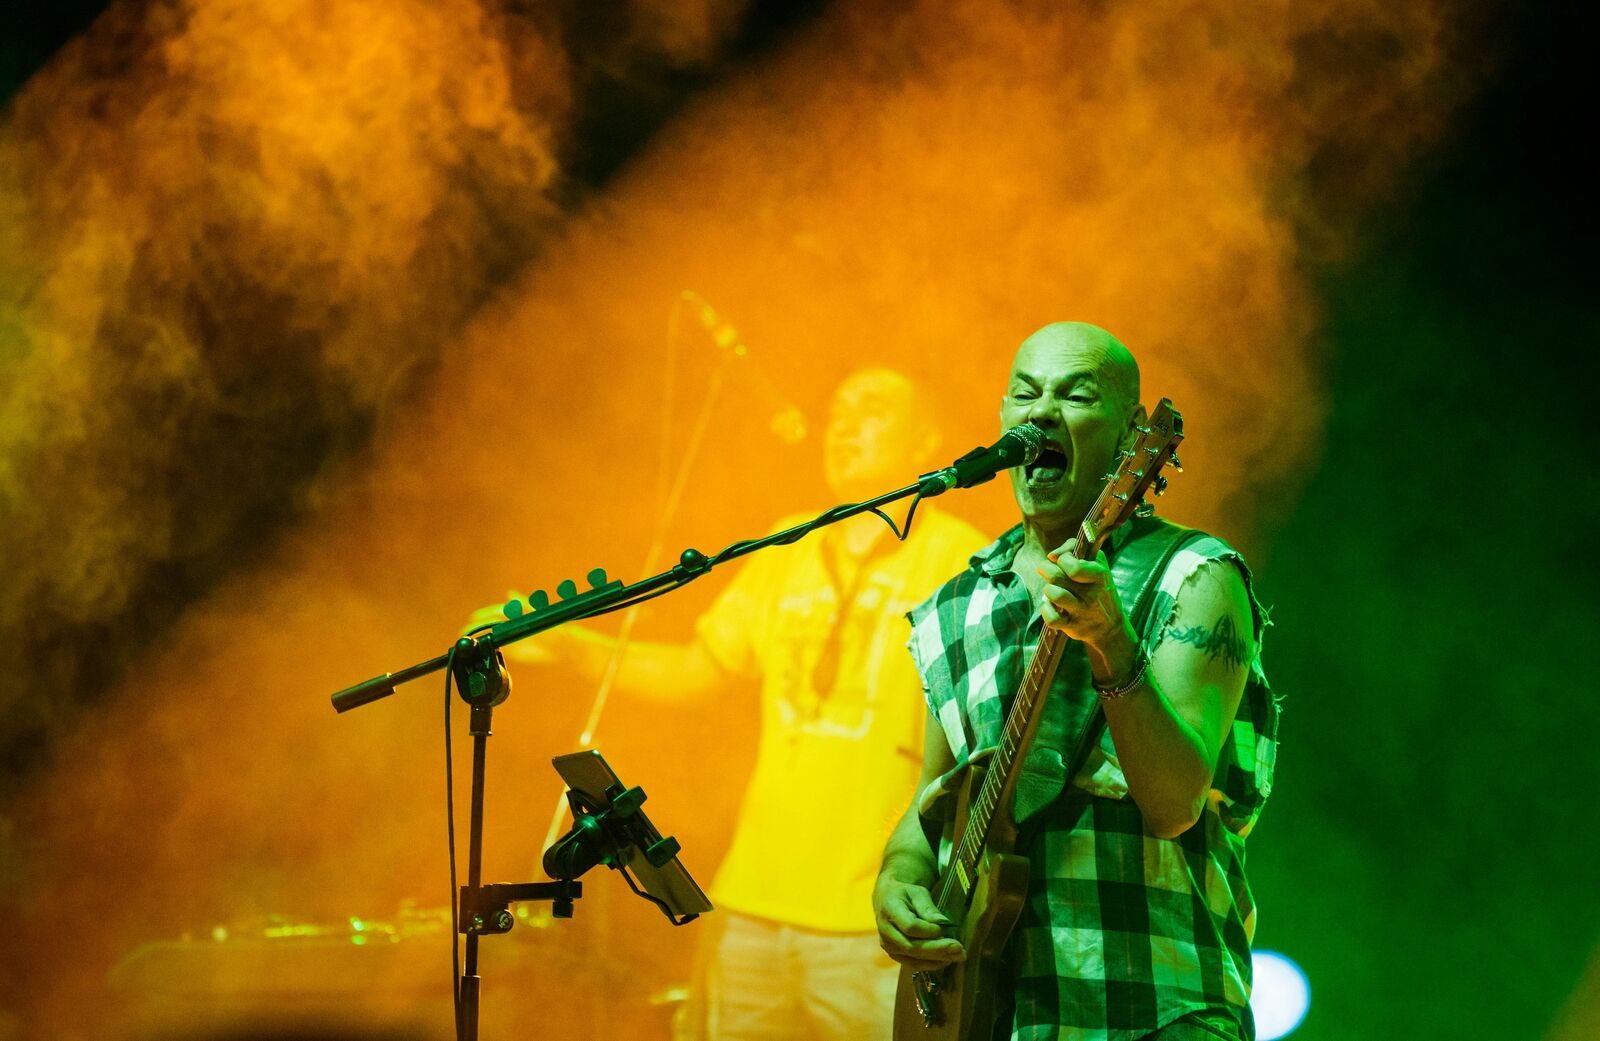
x,y
243,241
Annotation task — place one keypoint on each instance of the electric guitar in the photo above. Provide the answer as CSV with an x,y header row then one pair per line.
x,y
984,883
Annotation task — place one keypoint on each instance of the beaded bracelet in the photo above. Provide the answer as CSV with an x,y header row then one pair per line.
x,y
1113,693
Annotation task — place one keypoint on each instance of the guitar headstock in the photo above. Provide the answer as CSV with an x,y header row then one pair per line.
x,y
1138,469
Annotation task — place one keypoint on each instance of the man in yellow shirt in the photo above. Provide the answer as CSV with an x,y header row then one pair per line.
x,y
821,625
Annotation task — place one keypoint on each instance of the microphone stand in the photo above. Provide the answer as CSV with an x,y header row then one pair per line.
x,y
478,668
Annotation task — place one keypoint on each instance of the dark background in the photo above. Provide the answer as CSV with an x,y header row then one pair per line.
x,y
1428,856
1433,617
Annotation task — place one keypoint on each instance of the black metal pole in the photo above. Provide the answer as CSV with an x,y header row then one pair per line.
x,y
472,921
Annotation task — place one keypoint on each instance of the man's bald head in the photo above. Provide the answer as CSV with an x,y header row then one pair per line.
x,y
1079,387
1114,364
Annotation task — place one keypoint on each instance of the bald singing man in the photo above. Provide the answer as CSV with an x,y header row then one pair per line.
x,y
1138,916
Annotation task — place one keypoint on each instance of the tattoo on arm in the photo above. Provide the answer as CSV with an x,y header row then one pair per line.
x,y
1219,641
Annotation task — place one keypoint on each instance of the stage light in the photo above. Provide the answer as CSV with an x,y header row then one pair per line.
x,y
1281,996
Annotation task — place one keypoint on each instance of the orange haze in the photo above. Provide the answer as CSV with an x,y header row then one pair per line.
x,y
915,185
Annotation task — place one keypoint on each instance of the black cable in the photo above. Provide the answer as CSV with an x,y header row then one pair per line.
x,y
901,532
450,835
640,599
608,609
799,532
910,513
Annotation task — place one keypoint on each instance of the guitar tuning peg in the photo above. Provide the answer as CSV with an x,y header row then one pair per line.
x,y
1175,464
1123,496
1144,509
597,578
538,600
513,609
567,589
1128,453
1161,484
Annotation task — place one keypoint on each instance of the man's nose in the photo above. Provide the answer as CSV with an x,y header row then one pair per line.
x,y
1043,412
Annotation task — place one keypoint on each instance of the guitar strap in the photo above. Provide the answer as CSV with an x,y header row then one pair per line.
x,y
1139,562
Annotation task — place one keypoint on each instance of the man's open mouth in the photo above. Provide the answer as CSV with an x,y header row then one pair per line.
x,y
1049,468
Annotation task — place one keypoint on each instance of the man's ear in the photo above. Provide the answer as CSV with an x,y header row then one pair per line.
x,y
1136,418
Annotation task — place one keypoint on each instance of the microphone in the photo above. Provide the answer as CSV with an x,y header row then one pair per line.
x,y
1018,446
788,423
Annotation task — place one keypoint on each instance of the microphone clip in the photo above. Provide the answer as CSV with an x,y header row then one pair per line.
x,y
937,482
1018,446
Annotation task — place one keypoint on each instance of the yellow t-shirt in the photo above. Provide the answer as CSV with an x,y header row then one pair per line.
x,y
835,767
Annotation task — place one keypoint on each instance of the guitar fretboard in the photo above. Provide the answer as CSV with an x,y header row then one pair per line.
x,y
1021,721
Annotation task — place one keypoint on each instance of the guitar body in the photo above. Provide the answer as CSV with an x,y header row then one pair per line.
x,y
960,1002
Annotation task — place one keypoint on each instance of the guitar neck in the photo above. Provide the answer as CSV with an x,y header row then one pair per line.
x,y
1000,781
